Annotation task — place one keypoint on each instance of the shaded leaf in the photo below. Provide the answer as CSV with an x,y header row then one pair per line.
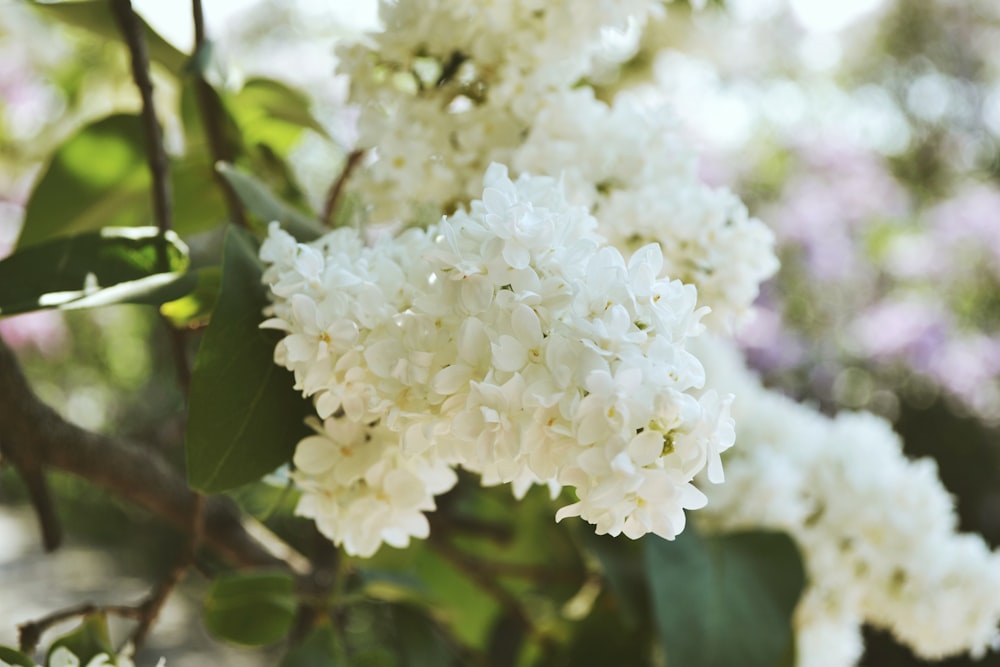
x,y
15,658
418,639
725,600
244,416
97,17
113,265
319,649
264,205
251,608
89,640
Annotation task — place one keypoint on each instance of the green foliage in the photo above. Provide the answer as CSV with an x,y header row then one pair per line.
x,y
195,307
15,658
98,178
725,600
113,265
244,416
273,113
264,205
320,648
251,608
87,641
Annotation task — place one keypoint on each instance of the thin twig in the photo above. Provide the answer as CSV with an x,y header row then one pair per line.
x,y
156,154
29,634
211,119
337,189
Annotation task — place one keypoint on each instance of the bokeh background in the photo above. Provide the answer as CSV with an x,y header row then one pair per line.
x,y
866,133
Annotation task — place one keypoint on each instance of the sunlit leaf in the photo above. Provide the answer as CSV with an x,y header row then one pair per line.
x,y
251,608
244,416
113,265
97,17
194,309
273,113
725,600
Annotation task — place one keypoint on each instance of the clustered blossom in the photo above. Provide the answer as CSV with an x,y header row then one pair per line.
x,y
877,531
448,88
509,340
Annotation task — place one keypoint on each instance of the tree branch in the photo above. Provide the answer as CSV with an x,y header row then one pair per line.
x,y
156,154
32,431
209,108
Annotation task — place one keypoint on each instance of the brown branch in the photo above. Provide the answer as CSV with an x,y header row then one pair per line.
x,y
32,431
337,189
29,634
209,107
39,494
156,154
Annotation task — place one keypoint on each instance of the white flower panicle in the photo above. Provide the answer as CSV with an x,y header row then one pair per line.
x,y
510,340
447,89
877,531
63,657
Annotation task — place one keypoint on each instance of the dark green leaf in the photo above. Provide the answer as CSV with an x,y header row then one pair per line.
x,y
253,609
418,639
113,265
319,649
96,16
87,641
621,565
265,206
725,600
244,417
15,658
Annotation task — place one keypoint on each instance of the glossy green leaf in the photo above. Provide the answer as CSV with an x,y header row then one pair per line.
x,y
15,658
194,309
320,648
725,600
96,16
251,608
265,206
99,178
87,641
244,416
113,265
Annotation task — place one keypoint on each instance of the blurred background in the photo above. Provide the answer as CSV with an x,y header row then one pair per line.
x,y
866,133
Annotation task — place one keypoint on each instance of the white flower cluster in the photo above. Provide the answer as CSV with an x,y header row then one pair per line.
x,y
510,340
447,88
877,531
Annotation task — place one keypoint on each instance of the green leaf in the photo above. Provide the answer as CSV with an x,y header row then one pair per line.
x,y
251,608
264,205
418,639
113,265
96,179
245,417
96,16
99,178
87,641
272,113
15,658
320,648
195,308
725,600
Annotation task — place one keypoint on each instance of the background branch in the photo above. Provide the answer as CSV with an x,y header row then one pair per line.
x,y
32,431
